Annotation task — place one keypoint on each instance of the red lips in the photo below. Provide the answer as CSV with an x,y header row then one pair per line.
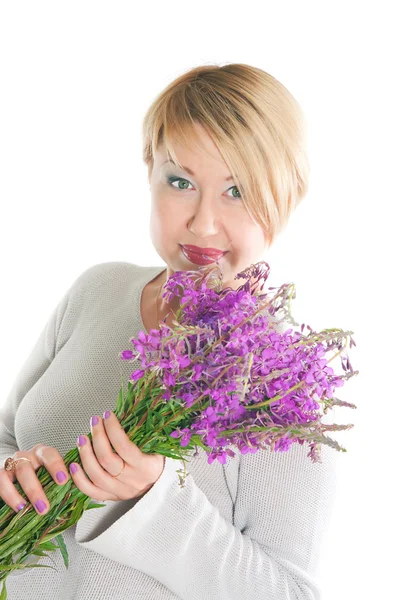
x,y
205,256
213,252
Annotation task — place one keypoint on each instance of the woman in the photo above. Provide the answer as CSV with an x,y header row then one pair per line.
x,y
225,150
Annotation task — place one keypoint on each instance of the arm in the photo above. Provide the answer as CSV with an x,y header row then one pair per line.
x,y
36,363
271,551
52,338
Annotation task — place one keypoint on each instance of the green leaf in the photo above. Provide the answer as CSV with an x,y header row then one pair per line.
x,y
95,505
127,403
23,566
149,422
40,567
120,401
64,551
3,595
47,546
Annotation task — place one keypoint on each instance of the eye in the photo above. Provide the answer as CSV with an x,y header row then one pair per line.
x,y
171,180
234,187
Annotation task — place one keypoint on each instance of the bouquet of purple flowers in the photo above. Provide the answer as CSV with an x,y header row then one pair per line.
x,y
225,375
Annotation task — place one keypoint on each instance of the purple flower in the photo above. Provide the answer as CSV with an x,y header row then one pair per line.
x,y
228,374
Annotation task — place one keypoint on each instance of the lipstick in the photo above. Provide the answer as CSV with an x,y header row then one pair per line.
x,y
201,256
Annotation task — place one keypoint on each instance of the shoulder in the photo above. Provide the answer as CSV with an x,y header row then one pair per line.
x,y
102,273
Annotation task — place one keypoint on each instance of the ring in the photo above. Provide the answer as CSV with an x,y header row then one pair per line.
x,y
114,476
11,463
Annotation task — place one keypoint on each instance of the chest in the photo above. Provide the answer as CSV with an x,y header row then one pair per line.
x,y
149,309
84,379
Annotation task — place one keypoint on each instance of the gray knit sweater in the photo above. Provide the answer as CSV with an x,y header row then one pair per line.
x,y
248,530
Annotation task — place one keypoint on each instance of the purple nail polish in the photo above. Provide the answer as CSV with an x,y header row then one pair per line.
x,y
107,414
94,420
60,475
81,440
21,505
41,506
73,468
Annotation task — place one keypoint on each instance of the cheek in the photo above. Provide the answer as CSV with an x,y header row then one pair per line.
x,y
252,236
164,225
168,219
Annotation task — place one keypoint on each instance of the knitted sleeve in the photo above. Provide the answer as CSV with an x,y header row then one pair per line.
x,y
52,338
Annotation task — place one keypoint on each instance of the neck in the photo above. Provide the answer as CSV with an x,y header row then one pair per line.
x,y
162,307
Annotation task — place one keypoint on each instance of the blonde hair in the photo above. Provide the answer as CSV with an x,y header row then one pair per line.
x,y
256,124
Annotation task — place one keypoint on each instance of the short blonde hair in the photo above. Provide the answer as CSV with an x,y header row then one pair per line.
x,y
256,124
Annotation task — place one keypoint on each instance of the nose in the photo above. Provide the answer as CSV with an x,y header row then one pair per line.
x,y
205,220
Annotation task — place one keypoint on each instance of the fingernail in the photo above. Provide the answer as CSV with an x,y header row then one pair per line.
x,y
60,475
21,505
81,440
73,468
107,414
94,420
40,505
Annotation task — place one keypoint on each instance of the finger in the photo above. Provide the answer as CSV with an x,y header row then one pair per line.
x,y
32,487
23,454
9,493
51,459
46,456
107,458
122,444
146,467
87,487
100,478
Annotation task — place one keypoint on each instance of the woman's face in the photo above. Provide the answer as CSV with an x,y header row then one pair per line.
x,y
202,208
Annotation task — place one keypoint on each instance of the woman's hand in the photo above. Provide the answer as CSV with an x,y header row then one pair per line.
x,y
100,462
25,474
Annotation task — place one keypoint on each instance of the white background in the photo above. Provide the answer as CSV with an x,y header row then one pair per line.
x,y
76,79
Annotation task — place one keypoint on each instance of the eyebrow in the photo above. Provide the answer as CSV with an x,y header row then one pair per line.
x,y
188,170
